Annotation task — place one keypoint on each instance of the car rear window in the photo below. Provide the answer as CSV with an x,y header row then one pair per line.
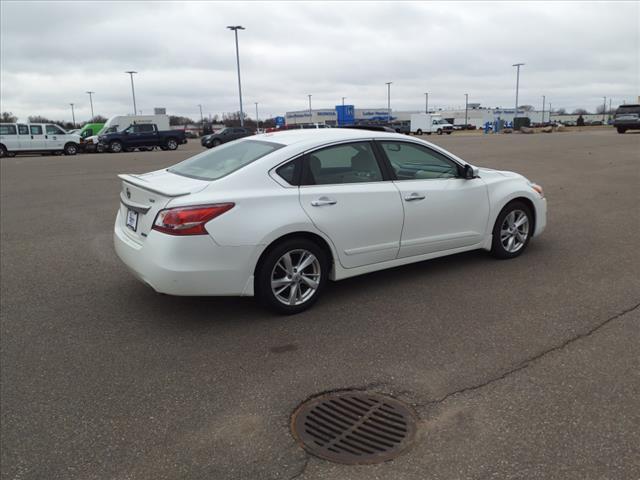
x,y
221,161
622,109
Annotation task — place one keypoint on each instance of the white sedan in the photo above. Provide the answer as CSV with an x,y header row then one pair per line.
x,y
277,215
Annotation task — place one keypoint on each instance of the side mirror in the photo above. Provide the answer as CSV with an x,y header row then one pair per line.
x,y
470,172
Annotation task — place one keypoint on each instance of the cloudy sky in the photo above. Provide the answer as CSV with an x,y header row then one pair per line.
x,y
53,52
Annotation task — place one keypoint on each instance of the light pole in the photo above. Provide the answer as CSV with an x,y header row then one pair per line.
x,y
609,112
426,102
310,115
389,101
73,115
543,99
257,121
343,101
550,112
201,116
466,110
91,102
604,109
235,30
515,112
133,90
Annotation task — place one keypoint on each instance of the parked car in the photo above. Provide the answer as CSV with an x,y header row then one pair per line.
x,y
143,137
225,135
277,215
402,127
627,118
373,128
429,123
36,138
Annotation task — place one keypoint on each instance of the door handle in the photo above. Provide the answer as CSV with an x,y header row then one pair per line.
x,y
414,196
323,201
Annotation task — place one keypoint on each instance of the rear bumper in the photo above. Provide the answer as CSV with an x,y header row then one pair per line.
x,y
189,266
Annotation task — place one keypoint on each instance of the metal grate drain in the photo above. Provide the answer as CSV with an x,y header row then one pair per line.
x,y
354,427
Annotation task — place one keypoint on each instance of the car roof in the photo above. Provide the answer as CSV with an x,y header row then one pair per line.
x,y
324,135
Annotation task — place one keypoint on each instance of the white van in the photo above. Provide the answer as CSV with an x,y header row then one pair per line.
x,y
36,138
429,123
120,122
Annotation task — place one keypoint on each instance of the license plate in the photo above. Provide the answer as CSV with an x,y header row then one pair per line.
x,y
132,220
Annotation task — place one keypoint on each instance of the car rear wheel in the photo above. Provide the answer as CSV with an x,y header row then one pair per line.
x,y
621,130
292,275
419,131
115,147
439,132
215,143
172,144
3,152
512,230
70,149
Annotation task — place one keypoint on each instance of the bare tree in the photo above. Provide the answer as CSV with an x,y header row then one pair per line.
x,y
580,111
526,108
8,117
560,111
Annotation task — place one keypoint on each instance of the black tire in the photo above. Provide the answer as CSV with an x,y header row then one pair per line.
x,y
439,131
498,250
448,132
267,267
621,129
419,131
115,147
70,149
171,144
216,142
3,152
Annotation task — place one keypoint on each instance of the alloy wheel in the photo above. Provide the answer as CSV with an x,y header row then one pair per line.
x,y
514,231
295,277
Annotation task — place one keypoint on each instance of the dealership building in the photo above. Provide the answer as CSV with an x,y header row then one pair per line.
x,y
475,115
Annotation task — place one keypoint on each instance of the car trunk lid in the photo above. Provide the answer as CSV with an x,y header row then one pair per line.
x,y
143,196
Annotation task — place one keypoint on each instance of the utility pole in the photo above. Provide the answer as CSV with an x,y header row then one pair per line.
x,y
604,109
515,112
550,112
133,90
609,113
257,121
466,110
343,101
543,99
426,102
310,113
73,115
91,102
201,116
389,101
235,30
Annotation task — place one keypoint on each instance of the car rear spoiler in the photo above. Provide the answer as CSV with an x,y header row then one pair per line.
x,y
142,183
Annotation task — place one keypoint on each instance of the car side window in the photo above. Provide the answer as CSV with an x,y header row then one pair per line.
x,y
414,162
36,129
53,130
145,128
347,163
290,172
7,129
238,130
23,130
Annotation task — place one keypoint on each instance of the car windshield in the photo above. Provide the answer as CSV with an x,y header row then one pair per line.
x,y
221,161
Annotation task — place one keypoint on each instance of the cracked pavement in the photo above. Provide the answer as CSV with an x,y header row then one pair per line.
x,y
526,368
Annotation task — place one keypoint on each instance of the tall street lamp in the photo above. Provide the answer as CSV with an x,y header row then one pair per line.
x,y
466,110
426,102
515,112
604,109
543,100
310,114
388,101
133,90
73,115
257,121
91,102
235,29
201,116
343,101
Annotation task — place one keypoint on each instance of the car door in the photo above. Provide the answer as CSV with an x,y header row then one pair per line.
x,y
24,137
54,137
9,137
442,210
36,140
346,196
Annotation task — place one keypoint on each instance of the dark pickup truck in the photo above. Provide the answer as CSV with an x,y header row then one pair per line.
x,y
143,136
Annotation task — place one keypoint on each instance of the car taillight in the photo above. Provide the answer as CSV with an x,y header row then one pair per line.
x,y
188,220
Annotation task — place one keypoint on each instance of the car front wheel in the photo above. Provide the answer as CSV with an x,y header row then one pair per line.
x,y
115,147
292,276
512,230
172,144
621,130
70,149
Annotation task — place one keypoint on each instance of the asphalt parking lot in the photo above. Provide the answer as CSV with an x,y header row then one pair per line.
x,y
528,368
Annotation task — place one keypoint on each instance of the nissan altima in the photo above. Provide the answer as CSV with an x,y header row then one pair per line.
x,y
277,215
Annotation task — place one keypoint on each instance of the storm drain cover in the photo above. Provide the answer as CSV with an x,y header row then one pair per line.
x,y
354,427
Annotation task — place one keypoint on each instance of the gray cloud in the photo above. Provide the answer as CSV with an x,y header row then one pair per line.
x,y
52,52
